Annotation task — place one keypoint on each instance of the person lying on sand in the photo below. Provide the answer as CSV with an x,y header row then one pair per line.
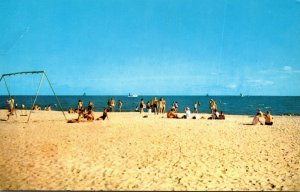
x,y
172,114
268,118
256,119
104,115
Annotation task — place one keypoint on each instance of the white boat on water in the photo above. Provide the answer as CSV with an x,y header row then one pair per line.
x,y
132,95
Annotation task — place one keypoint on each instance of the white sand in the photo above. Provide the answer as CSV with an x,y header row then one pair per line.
x,y
128,152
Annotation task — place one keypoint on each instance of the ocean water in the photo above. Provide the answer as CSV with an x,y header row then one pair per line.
x,y
247,105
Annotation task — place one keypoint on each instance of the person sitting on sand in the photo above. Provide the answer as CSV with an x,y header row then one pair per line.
x,y
47,107
104,115
256,119
222,116
172,114
71,110
260,112
187,113
80,110
268,118
214,115
36,107
89,115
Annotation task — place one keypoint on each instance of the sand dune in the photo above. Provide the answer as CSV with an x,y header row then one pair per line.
x,y
128,152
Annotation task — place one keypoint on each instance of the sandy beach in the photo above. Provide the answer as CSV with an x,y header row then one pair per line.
x,y
129,152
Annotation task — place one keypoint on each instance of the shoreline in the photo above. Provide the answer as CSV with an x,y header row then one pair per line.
x,y
133,112
129,152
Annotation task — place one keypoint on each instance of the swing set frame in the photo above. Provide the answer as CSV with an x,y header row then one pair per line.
x,y
38,89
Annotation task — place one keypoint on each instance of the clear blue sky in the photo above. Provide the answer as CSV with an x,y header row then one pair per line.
x,y
153,47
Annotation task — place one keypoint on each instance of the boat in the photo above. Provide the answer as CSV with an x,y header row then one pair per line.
x,y
132,95
241,95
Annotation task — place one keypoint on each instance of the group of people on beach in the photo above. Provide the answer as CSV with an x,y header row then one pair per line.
x,y
87,114
154,105
212,105
267,116
111,105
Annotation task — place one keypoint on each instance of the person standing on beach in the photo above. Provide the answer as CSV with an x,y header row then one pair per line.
x,y
164,105
11,104
155,105
212,105
160,105
148,107
196,107
112,104
176,106
120,105
142,105
109,104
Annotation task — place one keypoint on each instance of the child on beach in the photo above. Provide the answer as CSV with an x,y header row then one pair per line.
x,y
268,118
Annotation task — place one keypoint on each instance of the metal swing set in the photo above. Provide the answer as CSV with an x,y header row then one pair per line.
x,y
37,91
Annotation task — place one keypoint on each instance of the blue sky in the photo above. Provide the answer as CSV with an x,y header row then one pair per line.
x,y
153,47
